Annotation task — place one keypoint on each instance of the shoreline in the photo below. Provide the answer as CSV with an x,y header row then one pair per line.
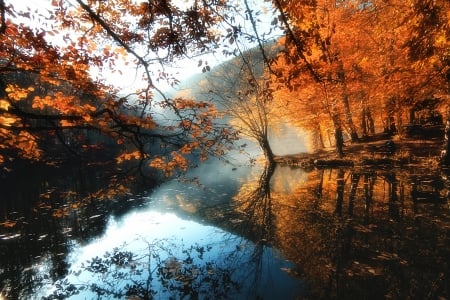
x,y
371,153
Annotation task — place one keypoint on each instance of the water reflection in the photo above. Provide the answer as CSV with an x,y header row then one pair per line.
x,y
277,232
152,254
43,212
367,233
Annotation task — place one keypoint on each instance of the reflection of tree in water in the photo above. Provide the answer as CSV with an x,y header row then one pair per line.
x,y
375,249
43,210
339,191
255,204
157,273
357,234
258,203
393,196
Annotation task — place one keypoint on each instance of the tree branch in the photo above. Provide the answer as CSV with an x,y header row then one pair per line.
x,y
2,16
95,17
260,45
297,43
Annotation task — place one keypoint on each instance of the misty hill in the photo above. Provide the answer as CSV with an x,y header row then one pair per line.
x,y
229,81
227,76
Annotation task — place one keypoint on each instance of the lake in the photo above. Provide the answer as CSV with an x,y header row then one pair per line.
x,y
228,232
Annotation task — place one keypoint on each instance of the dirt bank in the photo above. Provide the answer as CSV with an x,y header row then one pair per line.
x,y
375,150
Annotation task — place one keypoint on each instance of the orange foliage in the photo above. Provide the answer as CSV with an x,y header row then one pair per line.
x,y
342,63
58,101
345,59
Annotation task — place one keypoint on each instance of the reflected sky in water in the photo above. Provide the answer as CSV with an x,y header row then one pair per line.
x,y
257,269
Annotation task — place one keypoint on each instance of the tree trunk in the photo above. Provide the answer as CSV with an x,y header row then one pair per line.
x,y
348,118
317,137
370,121
367,122
363,122
368,194
346,104
394,212
267,149
412,116
318,190
351,198
339,138
321,142
339,191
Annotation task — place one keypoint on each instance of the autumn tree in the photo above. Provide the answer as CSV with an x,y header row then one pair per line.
x,y
313,60
428,49
374,55
344,54
75,41
405,79
241,90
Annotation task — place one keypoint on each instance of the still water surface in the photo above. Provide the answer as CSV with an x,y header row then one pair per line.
x,y
175,258
243,233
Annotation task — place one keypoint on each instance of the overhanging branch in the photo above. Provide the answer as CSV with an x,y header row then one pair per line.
x,y
297,43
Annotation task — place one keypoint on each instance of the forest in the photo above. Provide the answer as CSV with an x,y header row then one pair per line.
x,y
340,70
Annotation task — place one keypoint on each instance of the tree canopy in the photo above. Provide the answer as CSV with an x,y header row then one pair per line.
x,y
49,95
343,67
347,62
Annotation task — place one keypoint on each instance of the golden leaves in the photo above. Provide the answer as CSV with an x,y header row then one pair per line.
x,y
157,163
4,104
107,50
65,105
68,98
23,142
127,156
8,121
121,52
189,147
17,93
87,118
40,103
28,145
169,164
66,123
366,63
8,224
